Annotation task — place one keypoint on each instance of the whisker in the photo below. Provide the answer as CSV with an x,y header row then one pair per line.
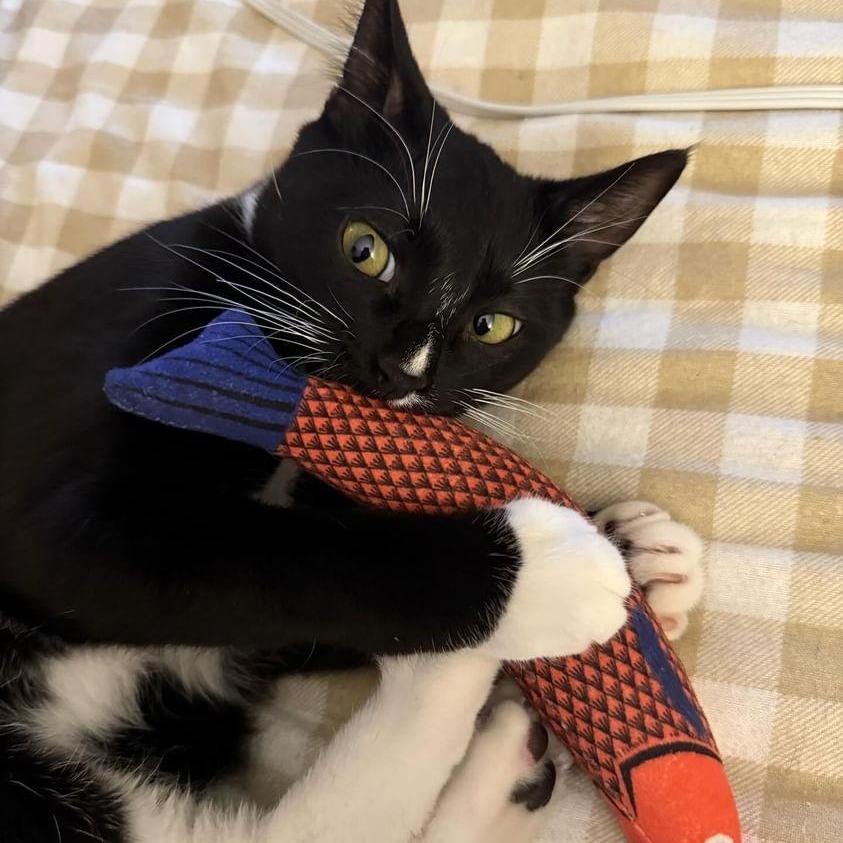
x,y
433,169
292,362
491,422
339,305
223,303
364,158
276,273
220,256
585,207
305,326
394,131
240,242
511,402
373,208
553,248
555,278
206,296
427,155
532,235
308,325
197,329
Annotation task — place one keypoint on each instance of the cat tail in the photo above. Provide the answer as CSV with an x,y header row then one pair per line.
x,y
228,382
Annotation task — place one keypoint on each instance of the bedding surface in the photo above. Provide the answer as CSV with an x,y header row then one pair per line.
x,y
704,371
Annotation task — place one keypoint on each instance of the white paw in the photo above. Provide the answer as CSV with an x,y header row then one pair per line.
x,y
500,789
506,688
664,557
570,589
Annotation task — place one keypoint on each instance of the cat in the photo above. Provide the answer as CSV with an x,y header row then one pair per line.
x,y
147,612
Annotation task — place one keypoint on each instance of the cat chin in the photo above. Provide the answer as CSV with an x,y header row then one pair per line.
x,y
410,401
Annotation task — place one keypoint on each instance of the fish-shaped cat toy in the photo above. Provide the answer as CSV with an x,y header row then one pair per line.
x,y
625,709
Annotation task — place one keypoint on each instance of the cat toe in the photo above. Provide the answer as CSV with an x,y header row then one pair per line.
x,y
664,558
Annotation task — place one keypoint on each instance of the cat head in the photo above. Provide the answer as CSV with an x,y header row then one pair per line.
x,y
431,270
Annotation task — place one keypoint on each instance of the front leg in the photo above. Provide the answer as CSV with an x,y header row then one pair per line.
x,y
529,579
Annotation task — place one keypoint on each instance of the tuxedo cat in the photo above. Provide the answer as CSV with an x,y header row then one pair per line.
x,y
148,611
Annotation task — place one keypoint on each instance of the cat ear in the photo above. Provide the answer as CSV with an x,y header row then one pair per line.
x,y
597,214
380,69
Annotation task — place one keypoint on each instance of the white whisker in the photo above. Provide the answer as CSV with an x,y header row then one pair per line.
x,y
558,245
433,169
308,326
364,158
197,329
491,422
532,235
373,208
427,155
275,271
311,332
394,131
262,279
551,277
581,210
511,402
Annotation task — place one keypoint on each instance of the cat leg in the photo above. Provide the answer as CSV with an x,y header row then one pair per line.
x,y
665,557
380,777
501,790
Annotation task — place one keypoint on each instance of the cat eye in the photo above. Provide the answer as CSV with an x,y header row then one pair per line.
x,y
494,328
367,251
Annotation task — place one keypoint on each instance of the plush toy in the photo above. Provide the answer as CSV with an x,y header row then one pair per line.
x,y
625,709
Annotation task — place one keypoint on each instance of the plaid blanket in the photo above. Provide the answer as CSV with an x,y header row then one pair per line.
x,y
705,370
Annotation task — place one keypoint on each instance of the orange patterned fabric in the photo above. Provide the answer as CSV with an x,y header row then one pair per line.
x,y
610,706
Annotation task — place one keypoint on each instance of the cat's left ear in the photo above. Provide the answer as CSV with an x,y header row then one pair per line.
x,y
596,215
380,70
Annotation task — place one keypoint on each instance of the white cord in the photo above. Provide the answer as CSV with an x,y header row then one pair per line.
x,y
785,97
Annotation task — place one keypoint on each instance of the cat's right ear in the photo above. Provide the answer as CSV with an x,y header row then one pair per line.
x,y
380,72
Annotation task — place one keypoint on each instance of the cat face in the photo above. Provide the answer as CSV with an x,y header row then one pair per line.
x,y
432,271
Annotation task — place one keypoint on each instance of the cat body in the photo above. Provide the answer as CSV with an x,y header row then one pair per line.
x,y
147,609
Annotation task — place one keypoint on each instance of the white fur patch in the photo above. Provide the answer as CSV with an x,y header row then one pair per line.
x,y
571,587
90,691
406,402
198,669
249,206
278,490
161,815
418,361
450,299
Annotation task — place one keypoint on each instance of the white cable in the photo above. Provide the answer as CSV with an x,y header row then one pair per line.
x,y
785,97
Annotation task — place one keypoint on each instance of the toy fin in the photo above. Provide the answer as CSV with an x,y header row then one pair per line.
x,y
228,382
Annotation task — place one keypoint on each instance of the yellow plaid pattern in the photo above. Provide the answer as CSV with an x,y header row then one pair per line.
x,y
705,370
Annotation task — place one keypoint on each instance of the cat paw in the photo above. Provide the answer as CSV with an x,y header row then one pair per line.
x,y
570,588
500,791
664,557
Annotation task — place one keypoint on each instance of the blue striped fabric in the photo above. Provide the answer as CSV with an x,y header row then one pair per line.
x,y
228,381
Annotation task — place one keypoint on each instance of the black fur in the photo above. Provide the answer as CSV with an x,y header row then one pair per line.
x,y
117,531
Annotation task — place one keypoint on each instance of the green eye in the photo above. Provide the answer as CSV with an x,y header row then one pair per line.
x,y
367,251
494,328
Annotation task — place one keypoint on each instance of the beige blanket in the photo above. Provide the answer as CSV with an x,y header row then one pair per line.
x,y
705,370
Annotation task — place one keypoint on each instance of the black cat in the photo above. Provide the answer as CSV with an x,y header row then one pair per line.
x,y
392,251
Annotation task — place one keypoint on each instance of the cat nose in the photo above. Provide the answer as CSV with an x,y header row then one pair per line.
x,y
396,378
